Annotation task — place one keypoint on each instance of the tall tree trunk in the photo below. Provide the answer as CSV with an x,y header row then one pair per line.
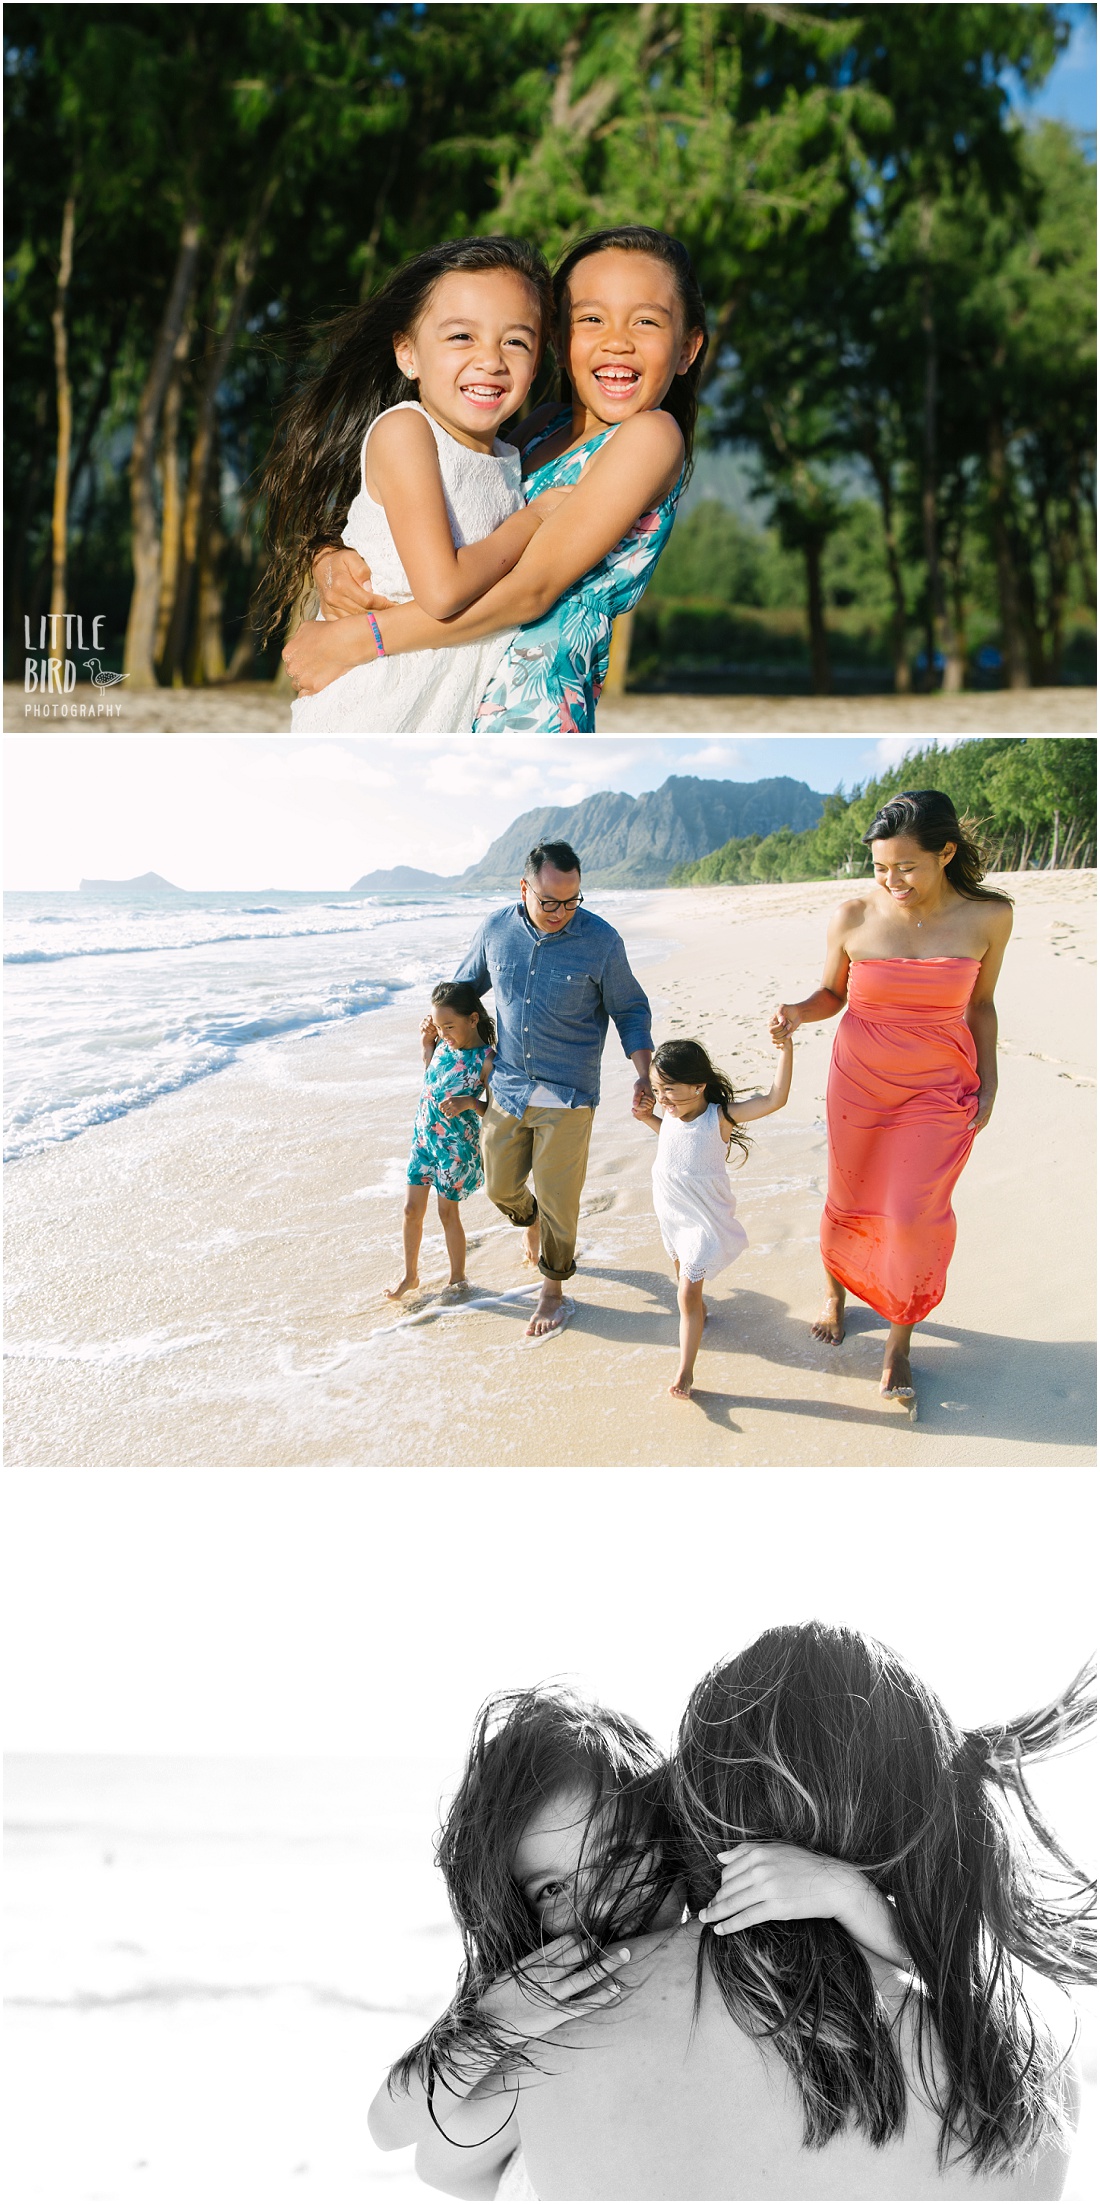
x,y
214,367
820,671
171,487
142,623
618,661
21,584
59,532
1012,637
900,620
954,671
933,623
1054,845
208,645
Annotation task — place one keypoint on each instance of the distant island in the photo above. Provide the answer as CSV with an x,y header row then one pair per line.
x,y
625,841
150,883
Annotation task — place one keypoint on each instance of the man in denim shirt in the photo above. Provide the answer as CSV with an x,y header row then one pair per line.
x,y
558,974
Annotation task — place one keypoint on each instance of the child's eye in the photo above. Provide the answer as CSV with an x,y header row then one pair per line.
x,y
547,1890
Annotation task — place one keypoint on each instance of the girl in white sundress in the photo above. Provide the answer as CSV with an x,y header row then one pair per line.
x,y
692,1196
399,431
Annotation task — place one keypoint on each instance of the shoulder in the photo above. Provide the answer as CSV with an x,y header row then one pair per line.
x,y
847,916
998,917
600,935
405,431
655,432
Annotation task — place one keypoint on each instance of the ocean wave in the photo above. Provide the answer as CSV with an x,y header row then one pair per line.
x,y
109,1353
198,1048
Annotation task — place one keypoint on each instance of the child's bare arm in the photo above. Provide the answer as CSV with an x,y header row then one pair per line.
x,y
646,1114
781,1882
403,475
762,1105
429,1039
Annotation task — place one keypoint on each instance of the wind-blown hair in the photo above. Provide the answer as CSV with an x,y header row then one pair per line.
x,y
821,1737
459,995
932,821
682,397
686,1063
529,1747
312,471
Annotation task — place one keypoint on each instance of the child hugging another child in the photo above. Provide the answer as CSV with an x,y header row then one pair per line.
x,y
457,1039
692,1197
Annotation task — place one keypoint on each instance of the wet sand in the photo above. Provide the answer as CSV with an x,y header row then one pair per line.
x,y
257,707
201,1281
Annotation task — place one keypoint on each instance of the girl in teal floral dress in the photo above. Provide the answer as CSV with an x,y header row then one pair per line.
x,y
632,335
457,1040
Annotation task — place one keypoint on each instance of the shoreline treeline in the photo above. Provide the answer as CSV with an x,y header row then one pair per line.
x,y
1033,803
899,275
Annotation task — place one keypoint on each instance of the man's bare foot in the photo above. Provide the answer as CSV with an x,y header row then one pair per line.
x,y
680,1388
829,1326
457,1290
550,1314
532,1245
404,1285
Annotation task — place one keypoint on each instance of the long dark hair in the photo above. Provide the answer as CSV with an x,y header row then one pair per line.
x,y
682,397
687,1064
459,995
820,1736
930,818
527,1748
312,470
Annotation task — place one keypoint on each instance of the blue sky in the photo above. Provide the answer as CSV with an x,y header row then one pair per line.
x,y
210,812
1069,94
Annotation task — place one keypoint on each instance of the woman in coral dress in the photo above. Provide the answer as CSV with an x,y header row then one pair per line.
x,y
913,965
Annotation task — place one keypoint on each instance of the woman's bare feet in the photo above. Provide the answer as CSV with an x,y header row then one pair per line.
x,y
897,1381
456,1290
829,1326
550,1314
680,1387
407,1284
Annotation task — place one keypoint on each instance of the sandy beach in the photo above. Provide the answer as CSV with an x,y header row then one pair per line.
x,y
258,708
201,1281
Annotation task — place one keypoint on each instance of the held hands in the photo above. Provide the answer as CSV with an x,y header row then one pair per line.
x,y
547,1989
343,583
643,1105
784,1022
430,1036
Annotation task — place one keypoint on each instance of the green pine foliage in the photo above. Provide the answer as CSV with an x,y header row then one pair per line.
x,y
1032,803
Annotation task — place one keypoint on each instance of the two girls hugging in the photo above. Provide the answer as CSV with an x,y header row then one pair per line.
x,y
799,1958
468,584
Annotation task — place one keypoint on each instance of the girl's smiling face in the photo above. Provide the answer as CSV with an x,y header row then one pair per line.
x,y
474,352
457,1027
623,333
677,1099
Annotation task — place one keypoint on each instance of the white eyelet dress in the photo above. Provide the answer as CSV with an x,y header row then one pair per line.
x,y
693,1198
425,691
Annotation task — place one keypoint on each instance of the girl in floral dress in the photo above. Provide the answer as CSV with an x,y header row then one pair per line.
x,y
457,1040
632,335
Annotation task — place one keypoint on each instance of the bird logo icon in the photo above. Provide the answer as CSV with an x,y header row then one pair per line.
x,y
102,679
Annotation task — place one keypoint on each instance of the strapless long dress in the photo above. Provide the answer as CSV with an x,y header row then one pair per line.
x,y
900,1102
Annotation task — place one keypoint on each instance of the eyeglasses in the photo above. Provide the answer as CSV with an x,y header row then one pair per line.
x,y
552,903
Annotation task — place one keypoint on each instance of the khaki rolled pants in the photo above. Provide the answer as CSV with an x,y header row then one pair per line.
x,y
549,1147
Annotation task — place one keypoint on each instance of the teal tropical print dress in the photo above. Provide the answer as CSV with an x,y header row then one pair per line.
x,y
446,1151
550,680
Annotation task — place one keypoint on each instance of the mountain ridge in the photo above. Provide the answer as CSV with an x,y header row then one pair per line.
x,y
626,841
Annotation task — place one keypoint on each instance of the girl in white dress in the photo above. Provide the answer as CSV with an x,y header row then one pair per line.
x,y
700,1119
399,431
557,1846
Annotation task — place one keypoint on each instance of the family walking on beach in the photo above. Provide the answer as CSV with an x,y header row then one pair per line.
x,y
912,963
788,1961
467,580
